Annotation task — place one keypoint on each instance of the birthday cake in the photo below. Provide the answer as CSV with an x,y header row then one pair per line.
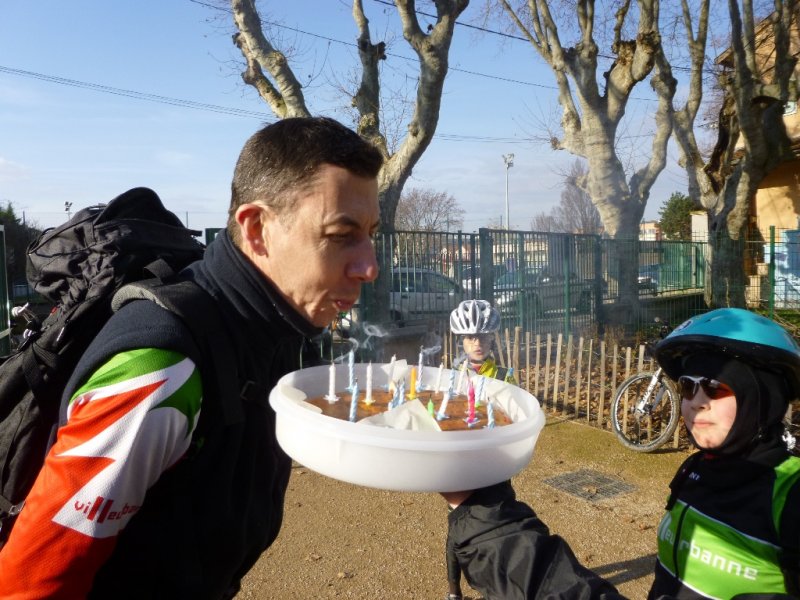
x,y
456,417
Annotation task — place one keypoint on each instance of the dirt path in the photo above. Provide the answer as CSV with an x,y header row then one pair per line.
x,y
344,541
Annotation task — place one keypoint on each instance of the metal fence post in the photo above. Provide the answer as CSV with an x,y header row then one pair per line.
x,y
771,271
598,270
487,262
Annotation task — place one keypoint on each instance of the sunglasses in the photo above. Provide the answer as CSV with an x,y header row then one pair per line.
x,y
712,388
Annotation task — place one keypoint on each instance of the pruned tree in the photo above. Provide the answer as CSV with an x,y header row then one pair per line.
x,y
575,213
269,72
757,81
428,210
593,104
675,216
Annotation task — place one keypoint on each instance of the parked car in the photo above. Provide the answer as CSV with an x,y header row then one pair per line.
x,y
537,291
468,275
648,279
422,293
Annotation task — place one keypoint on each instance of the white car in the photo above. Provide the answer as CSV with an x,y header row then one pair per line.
x,y
422,293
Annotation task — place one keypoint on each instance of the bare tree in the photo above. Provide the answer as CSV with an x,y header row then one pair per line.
x,y
428,210
545,222
575,213
752,139
591,113
269,72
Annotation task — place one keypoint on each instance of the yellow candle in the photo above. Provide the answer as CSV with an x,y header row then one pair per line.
x,y
413,391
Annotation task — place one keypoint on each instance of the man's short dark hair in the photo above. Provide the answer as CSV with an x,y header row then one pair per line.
x,y
282,159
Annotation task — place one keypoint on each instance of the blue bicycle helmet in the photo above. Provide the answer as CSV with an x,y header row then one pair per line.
x,y
733,332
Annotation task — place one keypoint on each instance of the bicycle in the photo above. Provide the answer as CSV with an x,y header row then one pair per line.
x,y
646,408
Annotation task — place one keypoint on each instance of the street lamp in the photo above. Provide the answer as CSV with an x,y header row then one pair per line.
x,y
509,160
68,208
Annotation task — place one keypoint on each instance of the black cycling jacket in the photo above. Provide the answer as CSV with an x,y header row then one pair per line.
x,y
506,552
206,521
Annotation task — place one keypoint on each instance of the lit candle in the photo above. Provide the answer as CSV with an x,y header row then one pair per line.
x,y
354,402
439,378
471,403
368,396
490,413
412,389
331,397
442,414
391,371
461,376
351,365
418,387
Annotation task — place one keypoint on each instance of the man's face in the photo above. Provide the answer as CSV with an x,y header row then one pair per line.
x,y
319,255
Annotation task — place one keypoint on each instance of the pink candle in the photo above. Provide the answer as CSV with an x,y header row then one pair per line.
x,y
471,401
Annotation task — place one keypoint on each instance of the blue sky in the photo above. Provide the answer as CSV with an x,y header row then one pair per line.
x,y
66,142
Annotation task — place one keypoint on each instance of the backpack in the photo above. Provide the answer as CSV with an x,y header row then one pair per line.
x,y
79,267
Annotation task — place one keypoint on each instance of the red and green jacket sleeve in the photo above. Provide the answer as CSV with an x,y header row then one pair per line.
x,y
131,421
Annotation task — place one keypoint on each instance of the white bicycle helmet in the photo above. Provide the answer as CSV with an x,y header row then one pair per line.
x,y
472,317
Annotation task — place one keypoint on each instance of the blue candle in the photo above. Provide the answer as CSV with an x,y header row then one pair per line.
x,y
490,414
354,402
479,398
442,414
401,397
451,387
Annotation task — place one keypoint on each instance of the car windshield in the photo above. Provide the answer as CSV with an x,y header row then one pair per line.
x,y
512,278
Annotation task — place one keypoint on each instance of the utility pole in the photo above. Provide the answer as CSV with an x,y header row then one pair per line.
x,y
509,160
68,209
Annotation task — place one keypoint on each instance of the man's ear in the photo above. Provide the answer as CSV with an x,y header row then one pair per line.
x,y
252,221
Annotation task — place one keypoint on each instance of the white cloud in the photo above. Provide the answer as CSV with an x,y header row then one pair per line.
x,y
12,171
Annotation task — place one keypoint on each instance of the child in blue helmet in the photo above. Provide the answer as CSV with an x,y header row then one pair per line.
x,y
733,516
732,526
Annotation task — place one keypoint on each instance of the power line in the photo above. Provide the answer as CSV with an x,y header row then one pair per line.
x,y
263,117
96,87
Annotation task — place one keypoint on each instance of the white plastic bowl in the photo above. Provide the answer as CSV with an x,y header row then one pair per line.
x,y
417,461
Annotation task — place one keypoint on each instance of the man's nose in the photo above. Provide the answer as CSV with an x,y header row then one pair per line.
x,y
364,265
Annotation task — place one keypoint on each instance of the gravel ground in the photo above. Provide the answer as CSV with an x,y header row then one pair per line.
x,y
343,541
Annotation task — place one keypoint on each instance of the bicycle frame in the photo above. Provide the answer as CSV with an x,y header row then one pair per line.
x,y
643,406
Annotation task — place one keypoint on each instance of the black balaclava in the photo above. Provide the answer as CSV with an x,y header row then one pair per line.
x,y
761,400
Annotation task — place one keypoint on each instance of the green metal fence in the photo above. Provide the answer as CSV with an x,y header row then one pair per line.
x,y
541,282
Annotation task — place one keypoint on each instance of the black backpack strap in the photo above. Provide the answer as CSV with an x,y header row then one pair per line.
x,y
201,314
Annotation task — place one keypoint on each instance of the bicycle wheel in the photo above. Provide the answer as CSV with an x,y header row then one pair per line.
x,y
648,431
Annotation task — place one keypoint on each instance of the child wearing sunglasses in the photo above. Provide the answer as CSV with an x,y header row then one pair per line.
x,y
732,526
733,516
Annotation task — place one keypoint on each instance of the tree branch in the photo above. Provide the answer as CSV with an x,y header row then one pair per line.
x,y
367,98
285,97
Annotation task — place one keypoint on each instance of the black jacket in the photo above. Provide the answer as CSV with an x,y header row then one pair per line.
x,y
207,520
507,553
